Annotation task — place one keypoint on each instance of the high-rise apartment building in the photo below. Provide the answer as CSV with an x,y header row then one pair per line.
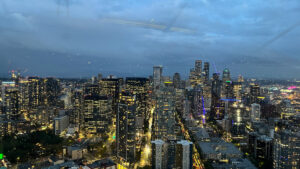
x,y
91,89
76,117
126,128
184,154
140,88
172,154
286,152
34,92
61,123
159,153
50,91
97,114
164,115
110,87
12,104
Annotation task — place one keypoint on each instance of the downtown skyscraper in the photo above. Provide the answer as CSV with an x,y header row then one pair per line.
x,y
164,117
126,128
217,111
157,76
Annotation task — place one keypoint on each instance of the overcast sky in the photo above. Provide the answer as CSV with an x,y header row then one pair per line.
x,y
80,38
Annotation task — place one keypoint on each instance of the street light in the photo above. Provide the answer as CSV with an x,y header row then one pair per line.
x,y
147,149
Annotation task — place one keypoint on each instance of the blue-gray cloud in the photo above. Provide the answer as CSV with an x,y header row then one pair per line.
x,y
125,37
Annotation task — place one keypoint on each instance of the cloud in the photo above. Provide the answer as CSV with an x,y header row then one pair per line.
x,y
226,32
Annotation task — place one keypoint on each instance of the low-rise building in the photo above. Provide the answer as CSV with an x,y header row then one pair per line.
x,y
219,150
61,123
235,163
103,164
75,152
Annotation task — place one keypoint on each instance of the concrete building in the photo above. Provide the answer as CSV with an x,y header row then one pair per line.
x,y
164,115
219,150
172,154
286,150
201,135
263,148
97,114
60,124
103,164
184,154
158,154
235,163
75,152
126,129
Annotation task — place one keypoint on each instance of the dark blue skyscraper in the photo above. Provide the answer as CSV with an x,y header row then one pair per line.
x,y
216,106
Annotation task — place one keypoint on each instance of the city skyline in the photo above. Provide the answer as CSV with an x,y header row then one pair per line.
x,y
150,84
156,122
76,39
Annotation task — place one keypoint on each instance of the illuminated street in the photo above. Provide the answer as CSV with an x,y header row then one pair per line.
x,y
146,151
196,155
153,84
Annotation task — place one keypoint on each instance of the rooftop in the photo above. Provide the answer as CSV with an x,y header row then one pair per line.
x,y
235,163
217,146
158,142
102,163
184,142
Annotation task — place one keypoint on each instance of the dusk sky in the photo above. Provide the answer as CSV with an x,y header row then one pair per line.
x,y
80,38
